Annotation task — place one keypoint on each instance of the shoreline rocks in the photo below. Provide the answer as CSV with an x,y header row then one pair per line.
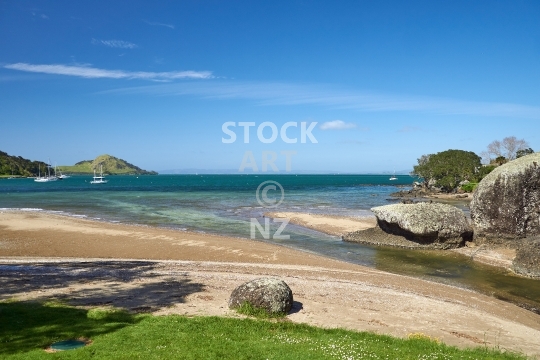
x,y
439,225
415,192
505,213
423,194
378,237
506,203
418,225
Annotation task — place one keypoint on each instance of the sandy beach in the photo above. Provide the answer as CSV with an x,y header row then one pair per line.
x,y
145,269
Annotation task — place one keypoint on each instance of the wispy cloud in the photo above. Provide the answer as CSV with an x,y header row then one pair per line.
x,y
153,23
407,129
337,125
35,12
330,96
93,73
115,43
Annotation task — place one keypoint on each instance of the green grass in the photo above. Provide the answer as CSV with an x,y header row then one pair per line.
x,y
27,328
247,309
77,169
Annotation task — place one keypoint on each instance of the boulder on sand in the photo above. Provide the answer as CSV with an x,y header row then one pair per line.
x,y
506,203
436,225
271,294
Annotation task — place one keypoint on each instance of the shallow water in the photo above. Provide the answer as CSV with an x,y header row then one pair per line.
x,y
224,204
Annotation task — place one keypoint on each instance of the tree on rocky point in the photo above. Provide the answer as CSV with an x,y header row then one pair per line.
x,y
507,148
449,168
524,152
500,160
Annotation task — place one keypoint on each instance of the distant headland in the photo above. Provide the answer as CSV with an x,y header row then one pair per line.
x,y
111,166
17,166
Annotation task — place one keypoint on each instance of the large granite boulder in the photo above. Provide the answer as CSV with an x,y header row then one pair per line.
x,y
506,203
271,294
527,260
438,225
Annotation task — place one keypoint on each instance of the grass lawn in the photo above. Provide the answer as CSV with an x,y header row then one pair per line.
x,y
27,328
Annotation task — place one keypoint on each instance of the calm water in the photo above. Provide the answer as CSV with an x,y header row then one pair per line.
x,y
224,204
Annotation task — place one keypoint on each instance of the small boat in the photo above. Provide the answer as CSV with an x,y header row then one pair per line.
x,y
47,178
99,179
393,177
62,176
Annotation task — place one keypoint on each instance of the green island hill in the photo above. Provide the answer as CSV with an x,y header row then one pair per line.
x,y
111,166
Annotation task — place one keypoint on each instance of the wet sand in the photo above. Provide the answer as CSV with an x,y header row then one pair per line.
x,y
88,263
328,224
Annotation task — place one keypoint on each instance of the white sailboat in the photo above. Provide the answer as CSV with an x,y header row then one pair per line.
x,y
99,179
393,177
61,176
47,178
11,177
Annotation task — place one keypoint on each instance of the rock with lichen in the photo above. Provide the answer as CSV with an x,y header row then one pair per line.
x,y
270,294
433,224
506,203
527,260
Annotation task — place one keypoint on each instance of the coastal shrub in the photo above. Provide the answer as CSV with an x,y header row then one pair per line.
x,y
500,160
483,171
524,152
469,187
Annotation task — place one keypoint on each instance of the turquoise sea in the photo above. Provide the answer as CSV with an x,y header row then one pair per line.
x,y
224,204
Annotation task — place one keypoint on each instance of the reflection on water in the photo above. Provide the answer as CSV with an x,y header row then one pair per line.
x,y
224,204
459,270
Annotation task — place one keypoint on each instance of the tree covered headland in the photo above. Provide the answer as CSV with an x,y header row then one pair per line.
x,y
451,168
19,166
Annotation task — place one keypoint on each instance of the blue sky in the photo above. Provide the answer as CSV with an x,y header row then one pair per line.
x,y
386,81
